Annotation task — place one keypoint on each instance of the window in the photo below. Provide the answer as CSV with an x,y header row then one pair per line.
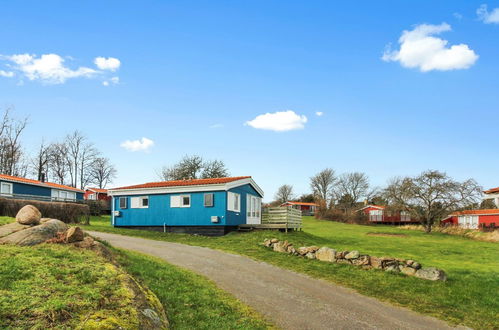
x,y
180,201
123,202
63,195
208,200
233,202
91,197
141,202
6,188
253,206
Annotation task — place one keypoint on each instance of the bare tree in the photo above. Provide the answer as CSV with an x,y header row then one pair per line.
x,y
284,193
214,169
58,162
74,142
350,188
193,167
322,184
431,196
87,156
102,172
41,162
12,161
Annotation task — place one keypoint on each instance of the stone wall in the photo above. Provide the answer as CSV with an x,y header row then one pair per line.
x,y
355,258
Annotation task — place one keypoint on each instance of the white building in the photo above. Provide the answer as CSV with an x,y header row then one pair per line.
x,y
492,194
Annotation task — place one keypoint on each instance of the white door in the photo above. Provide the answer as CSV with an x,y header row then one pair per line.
x,y
253,210
474,222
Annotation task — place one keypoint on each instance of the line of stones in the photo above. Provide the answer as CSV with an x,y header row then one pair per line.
x,y
389,264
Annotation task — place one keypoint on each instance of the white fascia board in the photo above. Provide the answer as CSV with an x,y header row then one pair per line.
x,y
166,190
243,182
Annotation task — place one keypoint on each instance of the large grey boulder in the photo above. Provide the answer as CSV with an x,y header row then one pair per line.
x,y
35,235
431,273
28,215
11,228
326,254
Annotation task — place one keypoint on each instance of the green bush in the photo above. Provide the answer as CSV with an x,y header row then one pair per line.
x,y
67,212
98,207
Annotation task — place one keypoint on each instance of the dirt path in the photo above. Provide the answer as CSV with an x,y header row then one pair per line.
x,y
289,300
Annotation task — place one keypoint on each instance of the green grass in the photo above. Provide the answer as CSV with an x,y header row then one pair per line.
x,y
469,297
5,220
56,286
191,301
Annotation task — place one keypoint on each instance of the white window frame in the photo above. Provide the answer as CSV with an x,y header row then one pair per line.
x,y
63,195
137,202
126,203
10,190
233,202
178,201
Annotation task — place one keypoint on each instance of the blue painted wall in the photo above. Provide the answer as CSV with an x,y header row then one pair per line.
x,y
239,218
159,211
28,189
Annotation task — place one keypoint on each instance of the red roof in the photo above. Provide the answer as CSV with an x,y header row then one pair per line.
x,y
191,182
98,190
492,191
301,203
36,182
476,212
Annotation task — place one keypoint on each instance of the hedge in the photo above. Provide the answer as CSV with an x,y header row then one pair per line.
x,y
67,212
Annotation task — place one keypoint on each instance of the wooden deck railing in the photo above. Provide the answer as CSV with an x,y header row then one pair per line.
x,y
285,217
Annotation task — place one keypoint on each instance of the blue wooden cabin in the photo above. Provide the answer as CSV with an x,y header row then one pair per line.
x,y
22,188
198,206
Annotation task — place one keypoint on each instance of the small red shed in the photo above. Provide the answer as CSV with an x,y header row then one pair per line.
x,y
96,194
474,219
305,208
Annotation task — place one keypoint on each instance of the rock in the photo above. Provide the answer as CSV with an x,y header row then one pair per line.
x,y
87,242
312,249
341,254
361,261
352,255
302,250
280,246
392,269
291,249
409,262
267,243
274,240
416,265
37,234
12,228
343,261
74,234
376,262
28,215
43,220
326,254
310,255
431,273
409,271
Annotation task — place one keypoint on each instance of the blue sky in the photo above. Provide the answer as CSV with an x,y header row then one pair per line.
x,y
192,73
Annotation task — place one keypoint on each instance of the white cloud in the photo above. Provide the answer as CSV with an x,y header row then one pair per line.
x,y
7,74
48,68
110,63
113,80
143,144
319,113
486,16
458,16
420,49
278,121
216,126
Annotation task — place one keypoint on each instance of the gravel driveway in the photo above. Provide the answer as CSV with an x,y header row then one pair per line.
x,y
288,299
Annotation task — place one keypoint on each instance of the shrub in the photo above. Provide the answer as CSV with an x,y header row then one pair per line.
x,y
98,207
339,215
67,212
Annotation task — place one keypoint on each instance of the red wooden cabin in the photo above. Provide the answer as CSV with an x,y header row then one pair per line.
x,y
379,214
473,219
305,208
96,194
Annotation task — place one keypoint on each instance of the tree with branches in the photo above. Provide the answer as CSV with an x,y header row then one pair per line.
x,y
284,193
194,167
102,172
322,185
431,196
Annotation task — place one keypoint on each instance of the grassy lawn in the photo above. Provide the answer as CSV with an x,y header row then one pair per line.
x,y
56,286
191,301
469,297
